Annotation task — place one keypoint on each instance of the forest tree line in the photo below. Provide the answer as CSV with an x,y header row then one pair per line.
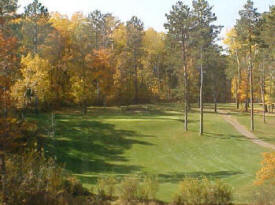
x,y
52,60
49,60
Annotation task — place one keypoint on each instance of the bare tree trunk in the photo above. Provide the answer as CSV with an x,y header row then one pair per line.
x,y
246,97
270,90
97,93
236,95
251,91
185,85
36,38
185,98
215,102
239,80
201,96
263,93
136,78
5,103
84,108
3,178
136,85
2,156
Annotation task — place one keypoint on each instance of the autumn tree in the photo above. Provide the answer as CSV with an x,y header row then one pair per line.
x,y
57,50
267,173
154,65
82,87
8,53
102,75
33,88
235,53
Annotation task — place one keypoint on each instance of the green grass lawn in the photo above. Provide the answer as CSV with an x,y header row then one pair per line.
x,y
118,143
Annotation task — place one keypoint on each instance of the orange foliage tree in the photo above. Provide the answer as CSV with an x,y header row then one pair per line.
x,y
267,173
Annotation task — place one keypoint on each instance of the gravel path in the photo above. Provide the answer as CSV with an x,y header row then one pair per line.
x,y
241,129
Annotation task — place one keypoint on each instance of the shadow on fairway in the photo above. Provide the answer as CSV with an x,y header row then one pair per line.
x,y
176,177
92,146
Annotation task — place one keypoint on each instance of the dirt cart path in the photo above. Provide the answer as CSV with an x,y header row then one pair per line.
x,y
241,129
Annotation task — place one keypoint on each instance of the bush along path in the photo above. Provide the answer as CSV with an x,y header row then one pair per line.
x,y
241,129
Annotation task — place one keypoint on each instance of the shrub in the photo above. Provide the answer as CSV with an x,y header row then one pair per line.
x,y
106,187
133,190
33,179
203,192
148,188
74,187
128,190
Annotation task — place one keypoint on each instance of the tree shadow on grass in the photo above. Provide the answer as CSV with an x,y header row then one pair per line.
x,y
92,146
177,177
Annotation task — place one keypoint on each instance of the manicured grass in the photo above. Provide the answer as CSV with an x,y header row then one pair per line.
x,y
264,131
151,139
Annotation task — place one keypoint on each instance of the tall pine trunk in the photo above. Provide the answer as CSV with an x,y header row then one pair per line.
x,y
185,86
238,81
215,100
236,95
246,94
185,98
251,90
201,96
263,93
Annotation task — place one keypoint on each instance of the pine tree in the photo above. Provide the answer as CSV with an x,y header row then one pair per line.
x,y
206,33
35,27
248,33
135,33
180,26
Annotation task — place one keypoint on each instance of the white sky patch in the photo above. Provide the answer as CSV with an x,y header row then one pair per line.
x,y
151,12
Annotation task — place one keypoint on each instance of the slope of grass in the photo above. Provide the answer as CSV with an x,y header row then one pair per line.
x,y
151,139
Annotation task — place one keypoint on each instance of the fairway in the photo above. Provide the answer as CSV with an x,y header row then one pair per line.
x,y
151,140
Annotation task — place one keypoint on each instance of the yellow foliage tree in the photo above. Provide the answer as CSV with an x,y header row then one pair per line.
x,y
153,62
267,172
34,84
234,48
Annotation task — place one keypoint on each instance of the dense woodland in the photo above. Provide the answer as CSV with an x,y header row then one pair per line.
x,y
49,60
